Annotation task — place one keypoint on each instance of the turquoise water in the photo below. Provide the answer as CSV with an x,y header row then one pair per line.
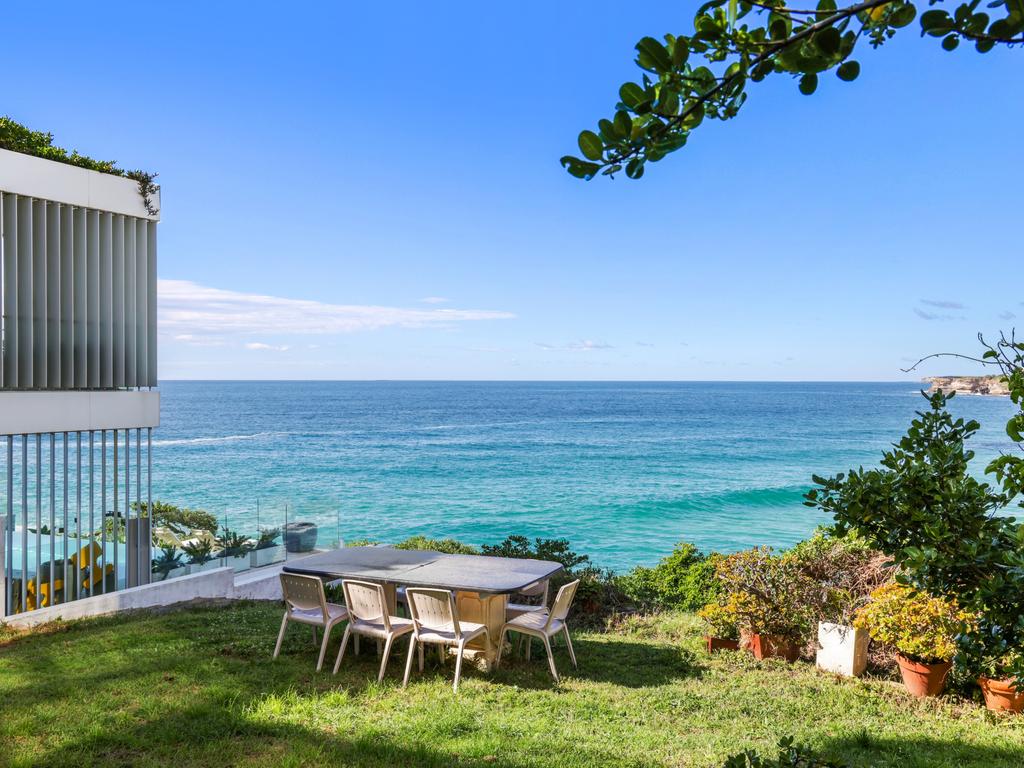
x,y
623,470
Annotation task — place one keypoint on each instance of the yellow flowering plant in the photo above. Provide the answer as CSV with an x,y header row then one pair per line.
x,y
920,627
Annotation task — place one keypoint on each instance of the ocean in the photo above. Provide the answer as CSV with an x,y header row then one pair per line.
x,y
621,470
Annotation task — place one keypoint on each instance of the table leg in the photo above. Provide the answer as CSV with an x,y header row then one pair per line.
x,y
482,609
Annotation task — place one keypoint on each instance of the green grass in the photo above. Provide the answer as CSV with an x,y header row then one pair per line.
x,y
198,687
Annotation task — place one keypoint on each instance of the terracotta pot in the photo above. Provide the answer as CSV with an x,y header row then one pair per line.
x,y
1000,695
774,646
923,679
720,644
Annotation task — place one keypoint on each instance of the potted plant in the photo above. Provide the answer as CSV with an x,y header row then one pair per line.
x,y
267,549
168,560
200,556
234,549
300,537
722,632
999,687
922,629
770,597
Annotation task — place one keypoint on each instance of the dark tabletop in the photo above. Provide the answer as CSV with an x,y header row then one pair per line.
x,y
418,568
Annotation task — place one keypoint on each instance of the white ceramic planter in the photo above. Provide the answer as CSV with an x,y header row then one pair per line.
x,y
240,563
267,556
842,649
209,565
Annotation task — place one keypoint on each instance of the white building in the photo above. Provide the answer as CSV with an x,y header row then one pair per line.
x,y
78,377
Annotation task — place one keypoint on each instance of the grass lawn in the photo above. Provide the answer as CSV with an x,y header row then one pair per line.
x,y
198,687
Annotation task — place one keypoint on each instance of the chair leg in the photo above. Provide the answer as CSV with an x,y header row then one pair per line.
x,y
551,658
384,661
323,647
501,647
421,656
458,665
314,634
529,644
408,661
568,642
440,654
344,642
280,635
357,645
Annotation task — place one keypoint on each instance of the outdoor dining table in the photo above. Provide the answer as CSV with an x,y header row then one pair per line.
x,y
481,583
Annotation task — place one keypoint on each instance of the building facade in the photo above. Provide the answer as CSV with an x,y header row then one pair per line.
x,y
78,378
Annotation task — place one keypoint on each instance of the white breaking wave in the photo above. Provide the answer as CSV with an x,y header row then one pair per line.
x,y
223,439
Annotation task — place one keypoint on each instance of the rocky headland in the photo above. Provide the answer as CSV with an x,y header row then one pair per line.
x,y
968,385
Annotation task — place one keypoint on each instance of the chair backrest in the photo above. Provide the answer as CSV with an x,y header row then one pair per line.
x,y
304,593
537,589
433,609
563,601
366,601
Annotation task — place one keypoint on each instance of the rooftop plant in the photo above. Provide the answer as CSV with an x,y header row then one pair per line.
x,y
18,138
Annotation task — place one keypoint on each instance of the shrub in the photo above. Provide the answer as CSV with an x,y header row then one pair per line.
x,y
448,546
769,594
721,620
179,519
920,627
942,526
198,552
268,538
790,755
232,543
556,550
845,569
685,579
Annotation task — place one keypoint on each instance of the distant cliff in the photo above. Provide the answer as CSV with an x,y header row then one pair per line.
x,y
969,385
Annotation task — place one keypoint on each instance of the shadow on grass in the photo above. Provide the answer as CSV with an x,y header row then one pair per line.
x,y
212,735
625,663
916,751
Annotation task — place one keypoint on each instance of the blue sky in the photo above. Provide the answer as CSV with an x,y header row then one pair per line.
x,y
373,191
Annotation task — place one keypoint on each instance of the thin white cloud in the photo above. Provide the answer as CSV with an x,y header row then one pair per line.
x,y
434,300
936,315
198,341
577,346
259,345
940,304
644,344
193,313
1007,316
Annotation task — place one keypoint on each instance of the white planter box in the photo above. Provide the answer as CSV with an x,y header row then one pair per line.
x,y
209,565
267,556
237,564
843,650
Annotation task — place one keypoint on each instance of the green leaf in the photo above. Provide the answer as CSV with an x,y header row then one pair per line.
x,y
632,95
653,56
828,40
579,168
607,131
591,145
848,71
936,23
903,15
680,51
623,124
950,42
808,84
635,168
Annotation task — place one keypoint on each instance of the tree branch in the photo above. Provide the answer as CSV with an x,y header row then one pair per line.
x,y
782,45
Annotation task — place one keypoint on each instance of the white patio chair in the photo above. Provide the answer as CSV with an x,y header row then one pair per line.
x,y
532,592
368,611
539,589
436,621
306,603
545,626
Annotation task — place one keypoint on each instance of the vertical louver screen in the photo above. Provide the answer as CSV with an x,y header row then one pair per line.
x,y
78,298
